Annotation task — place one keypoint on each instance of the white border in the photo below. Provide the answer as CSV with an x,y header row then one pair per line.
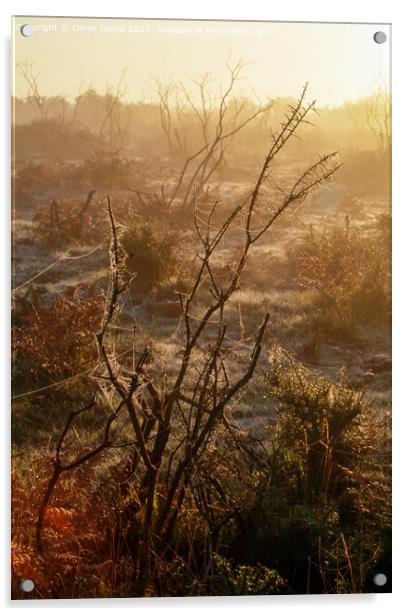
x,y
373,11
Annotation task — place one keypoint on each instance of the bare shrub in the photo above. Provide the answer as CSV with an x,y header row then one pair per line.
x,y
217,123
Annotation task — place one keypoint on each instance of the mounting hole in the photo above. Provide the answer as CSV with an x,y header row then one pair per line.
x,y
380,579
26,30
379,37
27,585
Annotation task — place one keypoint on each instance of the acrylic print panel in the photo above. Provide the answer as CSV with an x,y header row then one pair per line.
x,y
201,308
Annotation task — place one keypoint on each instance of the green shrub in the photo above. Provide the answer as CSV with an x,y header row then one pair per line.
x,y
320,515
153,259
330,494
244,579
318,420
350,274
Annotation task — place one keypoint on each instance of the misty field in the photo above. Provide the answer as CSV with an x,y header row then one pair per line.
x,y
201,343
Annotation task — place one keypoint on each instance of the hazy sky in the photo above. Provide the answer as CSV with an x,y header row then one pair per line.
x,y
340,62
